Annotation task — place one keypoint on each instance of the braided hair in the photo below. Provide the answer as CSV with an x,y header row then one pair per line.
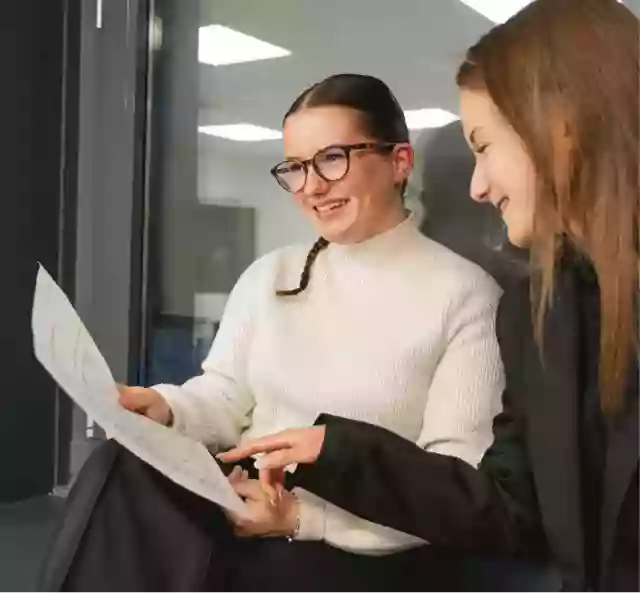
x,y
381,116
320,244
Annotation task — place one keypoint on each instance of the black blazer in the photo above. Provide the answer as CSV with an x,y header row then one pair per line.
x,y
525,498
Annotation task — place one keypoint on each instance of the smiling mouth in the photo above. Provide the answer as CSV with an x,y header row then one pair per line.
x,y
330,207
502,205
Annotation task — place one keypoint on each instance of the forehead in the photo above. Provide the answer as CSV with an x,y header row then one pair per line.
x,y
311,129
477,110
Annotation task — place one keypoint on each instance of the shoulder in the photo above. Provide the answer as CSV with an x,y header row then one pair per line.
x,y
457,275
514,327
458,291
515,306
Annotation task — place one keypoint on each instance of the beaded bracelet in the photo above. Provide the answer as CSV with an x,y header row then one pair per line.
x,y
296,529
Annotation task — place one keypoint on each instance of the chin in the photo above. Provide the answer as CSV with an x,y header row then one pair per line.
x,y
341,230
518,238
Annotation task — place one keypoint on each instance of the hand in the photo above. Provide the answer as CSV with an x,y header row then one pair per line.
x,y
270,517
296,445
146,402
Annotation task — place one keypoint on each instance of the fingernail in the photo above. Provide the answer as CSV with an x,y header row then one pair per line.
x,y
258,463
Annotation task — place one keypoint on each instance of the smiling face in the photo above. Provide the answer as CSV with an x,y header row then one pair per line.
x,y
504,175
366,201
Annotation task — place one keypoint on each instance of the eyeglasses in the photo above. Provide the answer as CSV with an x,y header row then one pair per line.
x,y
331,164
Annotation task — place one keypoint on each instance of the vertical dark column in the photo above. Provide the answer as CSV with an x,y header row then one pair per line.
x,y
175,156
36,224
173,200
111,186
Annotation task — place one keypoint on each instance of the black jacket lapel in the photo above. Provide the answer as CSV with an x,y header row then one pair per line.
x,y
622,461
553,413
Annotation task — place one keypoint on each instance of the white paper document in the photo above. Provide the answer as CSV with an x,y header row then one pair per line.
x,y
64,347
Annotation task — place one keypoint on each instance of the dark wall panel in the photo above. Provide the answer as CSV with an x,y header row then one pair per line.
x,y
32,181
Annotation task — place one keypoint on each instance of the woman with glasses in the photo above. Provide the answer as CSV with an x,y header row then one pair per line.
x,y
374,322
550,107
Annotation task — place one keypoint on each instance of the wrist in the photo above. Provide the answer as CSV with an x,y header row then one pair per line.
x,y
292,521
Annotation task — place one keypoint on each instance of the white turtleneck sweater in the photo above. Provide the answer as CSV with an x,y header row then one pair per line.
x,y
396,331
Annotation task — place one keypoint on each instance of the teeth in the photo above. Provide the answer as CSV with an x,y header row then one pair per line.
x,y
329,207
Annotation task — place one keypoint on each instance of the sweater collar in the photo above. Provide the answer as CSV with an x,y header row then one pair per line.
x,y
389,241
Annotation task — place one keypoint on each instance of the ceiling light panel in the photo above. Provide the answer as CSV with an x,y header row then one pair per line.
x,y
420,119
241,132
219,46
498,11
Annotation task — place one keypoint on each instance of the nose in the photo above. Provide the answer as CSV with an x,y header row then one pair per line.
x,y
315,185
479,185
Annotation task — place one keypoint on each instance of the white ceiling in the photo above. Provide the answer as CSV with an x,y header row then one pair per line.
x,y
414,46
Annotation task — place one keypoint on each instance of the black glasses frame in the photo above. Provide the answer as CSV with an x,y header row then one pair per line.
x,y
348,149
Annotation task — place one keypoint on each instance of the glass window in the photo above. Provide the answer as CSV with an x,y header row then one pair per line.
x,y
224,74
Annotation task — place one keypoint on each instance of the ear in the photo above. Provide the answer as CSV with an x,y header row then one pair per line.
x,y
403,158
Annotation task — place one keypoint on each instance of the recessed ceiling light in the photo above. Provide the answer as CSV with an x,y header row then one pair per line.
x,y
499,11
241,132
219,45
419,119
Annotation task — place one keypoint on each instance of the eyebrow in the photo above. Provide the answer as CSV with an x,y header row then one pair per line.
x,y
332,145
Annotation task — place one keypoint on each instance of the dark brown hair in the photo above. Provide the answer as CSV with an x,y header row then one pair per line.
x,y
382,119
565,75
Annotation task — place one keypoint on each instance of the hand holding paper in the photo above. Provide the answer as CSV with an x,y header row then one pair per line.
x,y
147,402
64,347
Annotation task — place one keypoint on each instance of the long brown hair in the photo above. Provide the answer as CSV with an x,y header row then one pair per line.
x,y
565,75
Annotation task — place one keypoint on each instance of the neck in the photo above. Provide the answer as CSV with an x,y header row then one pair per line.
x,y
399,233
391,221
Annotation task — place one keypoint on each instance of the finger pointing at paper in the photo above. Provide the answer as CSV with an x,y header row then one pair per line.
x,y
295,445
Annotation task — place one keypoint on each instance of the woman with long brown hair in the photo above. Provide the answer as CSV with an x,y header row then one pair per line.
x,y
550,106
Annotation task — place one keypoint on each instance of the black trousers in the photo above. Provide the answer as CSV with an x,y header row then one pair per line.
x,y
128,528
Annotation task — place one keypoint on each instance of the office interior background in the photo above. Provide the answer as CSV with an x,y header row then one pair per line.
x,y
136,142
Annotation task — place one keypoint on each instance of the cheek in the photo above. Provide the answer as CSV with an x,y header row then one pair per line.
x,y
510,175
500,174
367,180
524,183
300,200
354,185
